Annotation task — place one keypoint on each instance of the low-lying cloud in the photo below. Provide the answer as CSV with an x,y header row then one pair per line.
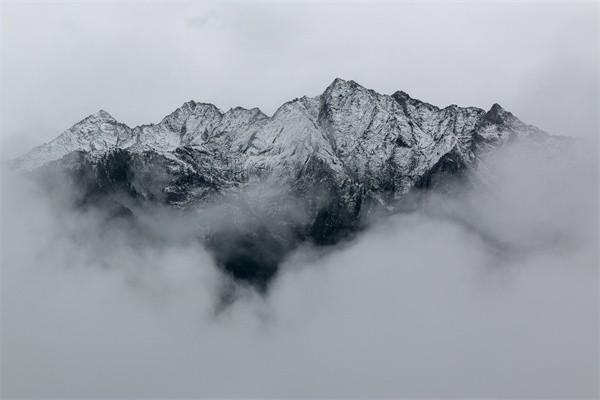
x,y
493,293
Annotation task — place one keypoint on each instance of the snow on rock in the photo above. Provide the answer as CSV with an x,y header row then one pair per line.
x,y
97,133
388,143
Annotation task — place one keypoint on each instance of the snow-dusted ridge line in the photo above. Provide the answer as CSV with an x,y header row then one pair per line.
x,y
350,128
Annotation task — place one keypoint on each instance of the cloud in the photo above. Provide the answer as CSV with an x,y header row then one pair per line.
x,y
210,19
489,294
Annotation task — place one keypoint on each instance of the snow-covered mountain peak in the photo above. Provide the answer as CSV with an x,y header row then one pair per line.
x,y
191,109
102,115
245,113
348,127
342,88
498,115
95,119
97,133
401,96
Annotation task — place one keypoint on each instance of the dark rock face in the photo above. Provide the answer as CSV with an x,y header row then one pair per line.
x,y
446,173
340,157
249,256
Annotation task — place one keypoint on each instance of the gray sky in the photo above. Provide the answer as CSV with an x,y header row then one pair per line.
x,y
417,306
139,61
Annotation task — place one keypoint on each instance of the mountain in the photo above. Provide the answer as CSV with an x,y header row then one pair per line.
x,y
315,170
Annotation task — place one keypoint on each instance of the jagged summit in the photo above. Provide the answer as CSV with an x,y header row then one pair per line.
x,y
366,129
497,114
98,116
401,95
102,114
244,109
496,108
340,88
339,83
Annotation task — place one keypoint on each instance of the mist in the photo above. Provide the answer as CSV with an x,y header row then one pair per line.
x,y
492,292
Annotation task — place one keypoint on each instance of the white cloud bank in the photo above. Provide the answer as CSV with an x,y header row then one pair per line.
x,y
494,294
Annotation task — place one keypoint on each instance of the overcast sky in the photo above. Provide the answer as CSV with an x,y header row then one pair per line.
x,y
139,61
488,294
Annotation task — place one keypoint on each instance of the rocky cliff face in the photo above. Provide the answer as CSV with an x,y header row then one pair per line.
x,y
341,156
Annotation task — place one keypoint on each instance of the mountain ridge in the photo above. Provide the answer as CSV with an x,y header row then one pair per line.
x,y
316,170
196,118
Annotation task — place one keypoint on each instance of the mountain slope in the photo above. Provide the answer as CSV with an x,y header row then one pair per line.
x,y
348,124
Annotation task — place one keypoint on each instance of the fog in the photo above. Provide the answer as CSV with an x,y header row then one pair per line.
x,y
491,293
